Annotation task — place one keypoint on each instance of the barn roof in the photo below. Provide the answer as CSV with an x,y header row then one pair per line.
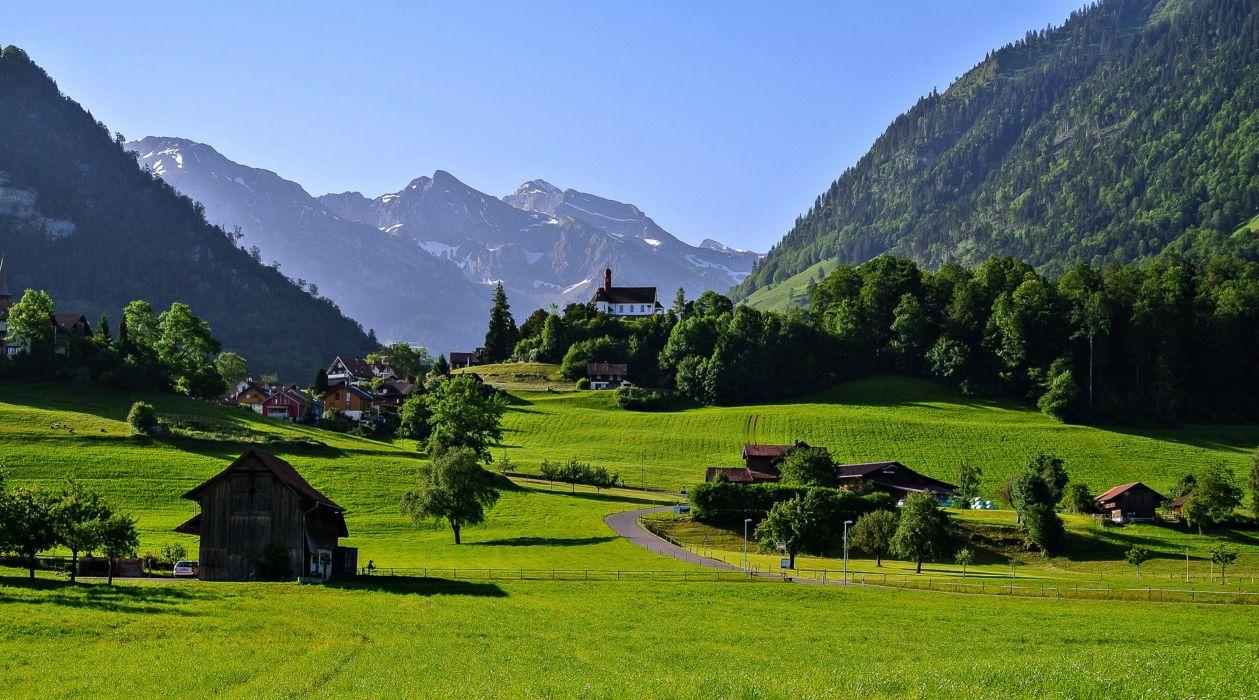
x,y
740,475
282,470
901,476
1115,491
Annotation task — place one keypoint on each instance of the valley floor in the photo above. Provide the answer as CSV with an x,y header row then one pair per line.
x,y
436,638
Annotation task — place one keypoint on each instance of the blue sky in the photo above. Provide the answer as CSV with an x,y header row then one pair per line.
x,y
720,120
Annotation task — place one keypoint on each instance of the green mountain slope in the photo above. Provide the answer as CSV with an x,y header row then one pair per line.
x,y
1131,126
80,219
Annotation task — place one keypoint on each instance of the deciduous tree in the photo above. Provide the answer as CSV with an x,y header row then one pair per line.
x,y
809,466
452,487
79,513
923,530
873,533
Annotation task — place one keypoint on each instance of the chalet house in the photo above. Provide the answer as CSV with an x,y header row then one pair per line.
x,y
65,327
467,359
353,369
760,464
390,394
260,500
250,393
1129,502
353,402
285,404
893,478
606,375
625,301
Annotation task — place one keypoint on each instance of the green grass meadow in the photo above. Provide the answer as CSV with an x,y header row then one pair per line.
x,y
433,638
439,637
927,427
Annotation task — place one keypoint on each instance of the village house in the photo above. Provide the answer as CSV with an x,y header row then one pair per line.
x,y
625,301
251,394
65,327
261,500
606,375
353,369
285,404
891,477
1129,502
459,360
353,402
392,393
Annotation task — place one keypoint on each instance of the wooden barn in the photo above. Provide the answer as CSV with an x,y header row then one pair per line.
x,y
893,478
261,500
1129,502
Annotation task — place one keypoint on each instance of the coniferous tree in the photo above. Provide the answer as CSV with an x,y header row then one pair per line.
x,y
502,335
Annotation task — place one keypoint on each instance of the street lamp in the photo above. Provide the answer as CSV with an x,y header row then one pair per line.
x,y
746,522
846,524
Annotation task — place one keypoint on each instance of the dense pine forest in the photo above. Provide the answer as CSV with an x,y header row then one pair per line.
x,y
1130,130
80,219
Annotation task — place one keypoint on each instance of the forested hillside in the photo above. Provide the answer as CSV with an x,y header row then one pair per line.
x,y
80,219
1131,129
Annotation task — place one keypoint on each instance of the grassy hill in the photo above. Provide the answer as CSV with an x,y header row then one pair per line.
x,y
520,376
49,434
791,292
926,426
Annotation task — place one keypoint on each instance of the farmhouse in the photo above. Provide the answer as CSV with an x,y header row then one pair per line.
x,y
1129,502
739,475
760,464
353,369
625,301
390,394
65,327
258,501
891,477
285,404
467,359
606,375
352,401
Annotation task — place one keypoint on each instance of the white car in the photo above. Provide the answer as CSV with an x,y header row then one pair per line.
x,y
185,569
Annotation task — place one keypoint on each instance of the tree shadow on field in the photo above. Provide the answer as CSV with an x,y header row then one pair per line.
x,y
166,599
415,585
543,541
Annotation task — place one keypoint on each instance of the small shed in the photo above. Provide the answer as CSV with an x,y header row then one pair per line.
x,y
258,501
1129,502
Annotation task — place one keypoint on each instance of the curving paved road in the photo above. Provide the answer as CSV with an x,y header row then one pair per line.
x,y
627,525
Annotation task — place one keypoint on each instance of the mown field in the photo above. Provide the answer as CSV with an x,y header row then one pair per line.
x,y
428,638
921,424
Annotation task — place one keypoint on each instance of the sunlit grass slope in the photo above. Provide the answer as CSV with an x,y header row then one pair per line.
x,y
921,424
542,639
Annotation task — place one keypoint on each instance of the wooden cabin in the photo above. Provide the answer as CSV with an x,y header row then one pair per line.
x,y
260,500
1129,502
285,404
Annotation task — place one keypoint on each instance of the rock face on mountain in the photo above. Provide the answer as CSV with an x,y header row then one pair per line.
x,y
545,244
384,281
79,219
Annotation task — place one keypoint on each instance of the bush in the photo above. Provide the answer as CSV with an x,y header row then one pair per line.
x,y
274,563
636,398
142,419
575,472
583,383
1078,499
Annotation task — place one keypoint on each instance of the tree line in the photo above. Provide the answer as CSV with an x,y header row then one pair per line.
x,y
1170,340
172,351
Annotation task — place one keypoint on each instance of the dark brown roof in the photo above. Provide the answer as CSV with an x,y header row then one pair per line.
x,y
1115,491
626,295
740,475
72,320
893,475
766,450
191,527
282,470
359,367
606,368
1180,502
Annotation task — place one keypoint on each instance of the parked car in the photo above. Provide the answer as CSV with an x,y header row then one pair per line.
x,y
185,569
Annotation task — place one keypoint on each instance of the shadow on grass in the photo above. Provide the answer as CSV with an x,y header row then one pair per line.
x,y
415,585
120,597
543,541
